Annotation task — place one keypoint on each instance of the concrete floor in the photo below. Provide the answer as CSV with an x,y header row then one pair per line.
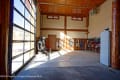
x,y
67,65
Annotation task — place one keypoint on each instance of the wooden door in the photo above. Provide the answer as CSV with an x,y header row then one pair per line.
x,y
52,42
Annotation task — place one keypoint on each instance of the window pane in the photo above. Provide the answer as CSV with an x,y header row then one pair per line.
x,y
18,34
27,36
26,57
27,46
27,15
18,19
19,6
33,13
17,49
27,25
35,23
23,1
32,20
32,29
32,53
32,37
27,4
17,63
31,1
33,6
32,45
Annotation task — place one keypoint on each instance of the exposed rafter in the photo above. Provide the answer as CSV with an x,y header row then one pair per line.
x,y
54,4
68,7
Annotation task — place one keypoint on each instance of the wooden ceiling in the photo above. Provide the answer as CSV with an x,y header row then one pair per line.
x,y
68,7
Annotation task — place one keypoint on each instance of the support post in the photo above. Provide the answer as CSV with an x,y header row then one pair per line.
x,y
115,55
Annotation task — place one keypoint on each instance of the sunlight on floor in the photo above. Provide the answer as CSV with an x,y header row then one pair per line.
x,y
42,58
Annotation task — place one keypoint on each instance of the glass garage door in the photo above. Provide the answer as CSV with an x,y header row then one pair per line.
x,y
24,25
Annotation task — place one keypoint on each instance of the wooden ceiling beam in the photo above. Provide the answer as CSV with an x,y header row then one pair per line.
x,y
54,4
68,7
60,14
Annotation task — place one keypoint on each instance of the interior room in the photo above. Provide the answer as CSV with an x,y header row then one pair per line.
x,y
60,40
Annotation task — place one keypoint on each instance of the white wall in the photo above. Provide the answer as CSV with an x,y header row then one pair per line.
x,y
59,24
102,20
46,32
53,23
72,24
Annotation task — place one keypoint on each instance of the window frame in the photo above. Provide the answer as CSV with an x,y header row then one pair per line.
x,y
53,17
24,31
77,18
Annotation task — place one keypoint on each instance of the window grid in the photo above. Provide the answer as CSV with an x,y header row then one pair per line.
x,y
27,8
29,35
23,16
24,41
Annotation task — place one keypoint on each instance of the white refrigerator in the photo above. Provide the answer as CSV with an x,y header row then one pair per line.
x,y
105,48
